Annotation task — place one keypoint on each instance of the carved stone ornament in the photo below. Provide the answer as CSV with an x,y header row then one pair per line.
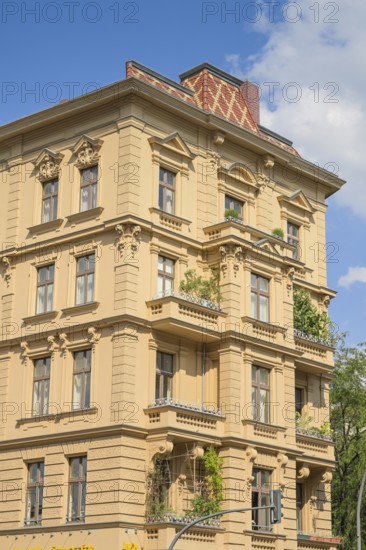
x,y
24,351
87,151
250,454
63,342
303,473
6,261
51,344
165,449
290,278
196,452
231,254
48,165
326,477
128,238
325,300
282,461
93,336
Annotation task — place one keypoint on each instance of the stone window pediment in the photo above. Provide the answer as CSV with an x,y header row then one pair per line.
x,y
48,165
172,143
86,151
298,201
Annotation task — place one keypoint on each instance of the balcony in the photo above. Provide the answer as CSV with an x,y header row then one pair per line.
x,y
324,539
185,315
262,331
311,442
182,519
169,414
312,347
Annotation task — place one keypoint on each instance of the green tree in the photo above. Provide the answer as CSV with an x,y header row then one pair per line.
x,y
211,490
348,420
196,285
307,318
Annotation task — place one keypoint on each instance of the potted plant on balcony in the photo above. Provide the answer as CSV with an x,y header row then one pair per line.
x,y
231,214
202,291
278,233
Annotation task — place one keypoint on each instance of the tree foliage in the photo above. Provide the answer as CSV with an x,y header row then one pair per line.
x,y
307,318
196,285
348,420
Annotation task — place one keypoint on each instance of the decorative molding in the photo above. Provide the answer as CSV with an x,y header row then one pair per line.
x,y
87,151
327,476
250,456
128,238
290,278
196,452
64,343
51,344
24,351
232,254
282,460
6,261
93,336
48,165
324,301
173,142
303,472
218,137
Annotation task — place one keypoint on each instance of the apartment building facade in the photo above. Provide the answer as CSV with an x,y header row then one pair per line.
x,y
114,382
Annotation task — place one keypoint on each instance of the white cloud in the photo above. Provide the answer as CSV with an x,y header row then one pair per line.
x,y
354,275
327,124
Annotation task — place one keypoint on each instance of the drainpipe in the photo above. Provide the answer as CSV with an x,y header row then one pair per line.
x,y
203,373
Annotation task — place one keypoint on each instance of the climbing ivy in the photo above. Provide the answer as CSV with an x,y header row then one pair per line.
x,y
211,488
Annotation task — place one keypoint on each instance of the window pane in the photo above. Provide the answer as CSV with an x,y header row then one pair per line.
x,y
169,266
78,378
94,196
33,468
42,274
253,280
253,305
84,196
73,501
74,467
264,376
157,386
78,360
263,308
160,284
167,386
49,297
81,265
87,390
37,386
80,283
31,504
90,288
263,284
168,362
46,210
46,389
169,198
168,285
161,197
254,374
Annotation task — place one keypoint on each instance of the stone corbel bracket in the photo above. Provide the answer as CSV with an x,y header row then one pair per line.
x,y
93,336
250,456
196,452
6,261
231,254
48,165
24,351
87,151
159,449
51,344
282,461
64,343
128,238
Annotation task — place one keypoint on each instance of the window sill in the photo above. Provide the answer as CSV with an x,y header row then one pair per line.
x,y
40,317
264,324
45,226
80,309
75,520
92,213
55,417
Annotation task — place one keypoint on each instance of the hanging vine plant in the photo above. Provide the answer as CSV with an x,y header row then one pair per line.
x,y
210,496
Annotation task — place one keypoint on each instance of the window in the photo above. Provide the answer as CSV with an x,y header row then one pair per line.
x,y
165,276
41,386
259,297
49,201
77,488
299,506
34,500
45,282
293,238
260,394
166,191
89,187
164,375
85,268
261,497
81,383
299,400
234,204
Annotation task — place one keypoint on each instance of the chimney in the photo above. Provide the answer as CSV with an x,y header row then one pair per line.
x,y
251,94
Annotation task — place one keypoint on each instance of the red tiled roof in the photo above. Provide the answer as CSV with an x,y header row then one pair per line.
x,y
212,91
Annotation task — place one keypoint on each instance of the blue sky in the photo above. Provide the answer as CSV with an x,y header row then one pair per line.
x,y
309,53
